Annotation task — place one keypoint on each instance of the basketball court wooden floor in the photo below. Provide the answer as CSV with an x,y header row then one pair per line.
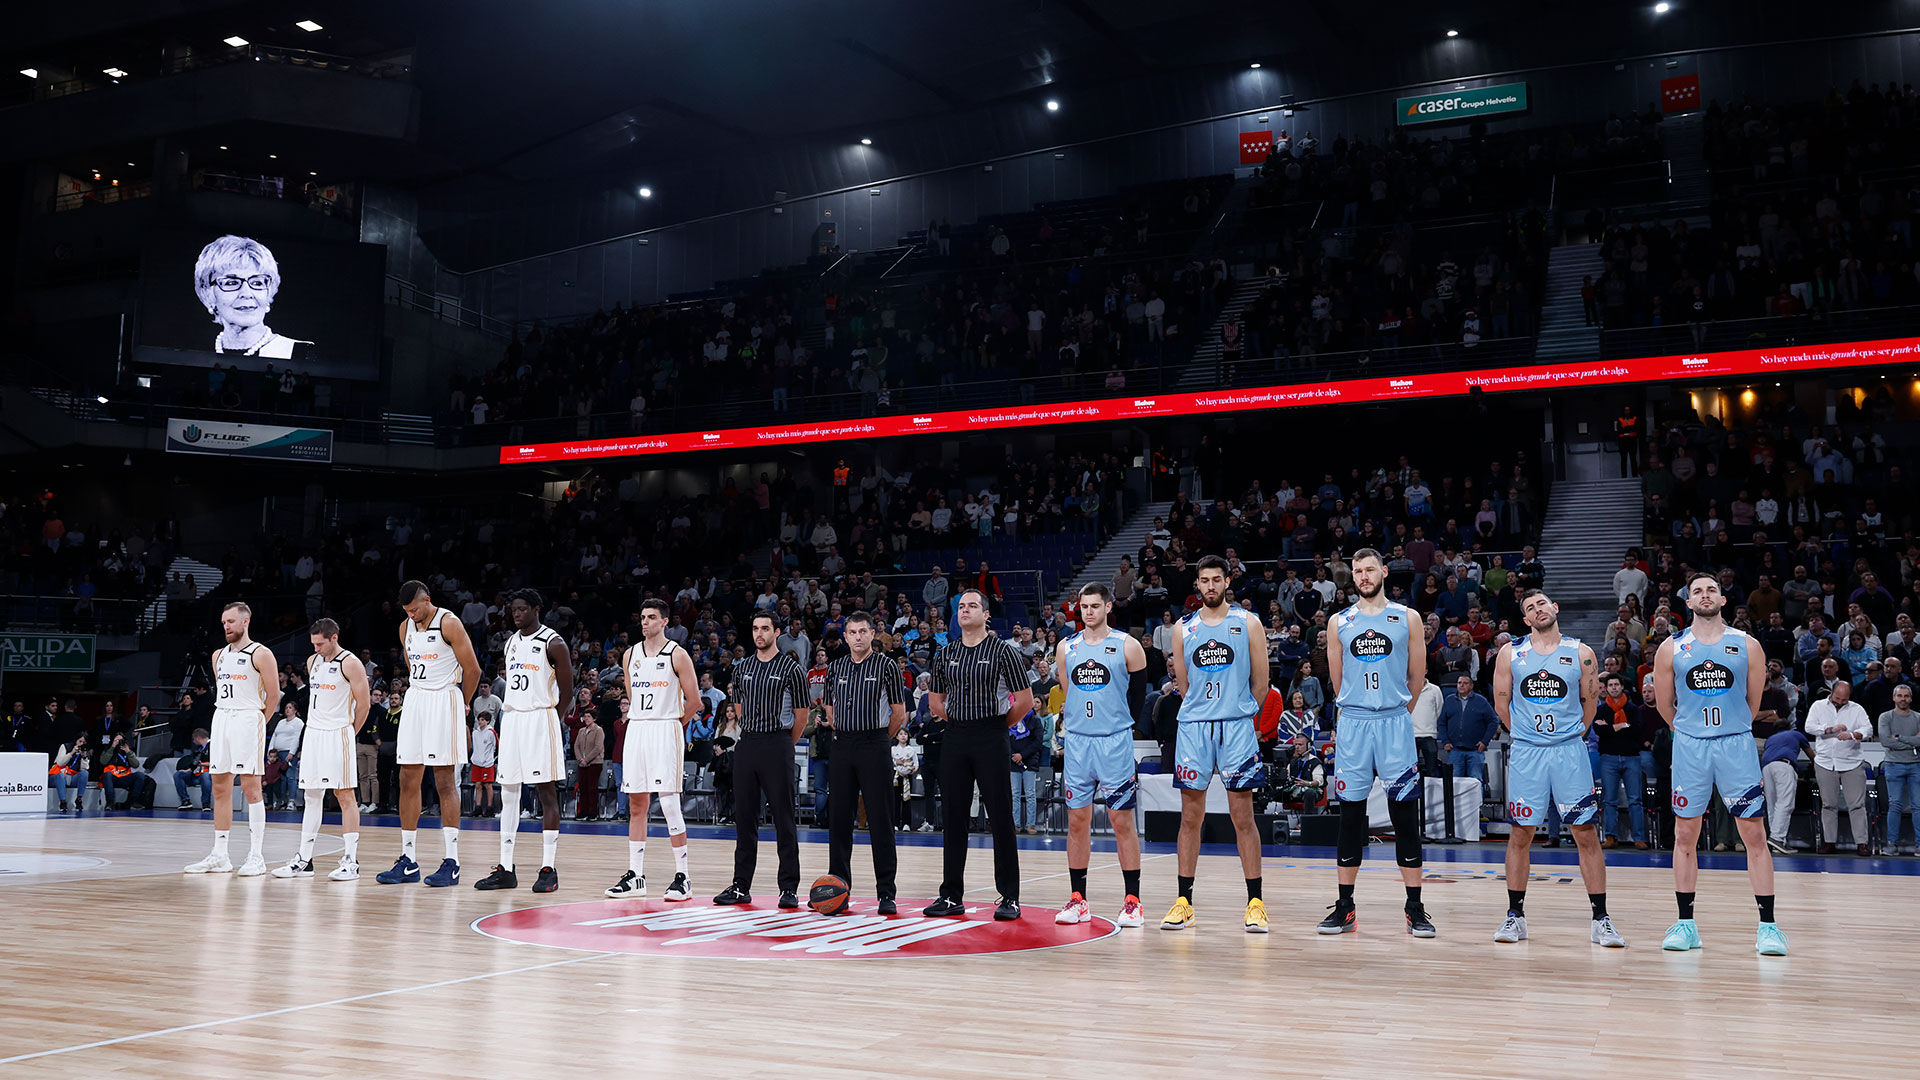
x,y
119,965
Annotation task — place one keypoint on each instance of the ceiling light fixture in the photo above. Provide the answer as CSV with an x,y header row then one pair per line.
x,y
31,73
646,192
1662,7
1453,33
236,41
1255,65
223,148
866,142
1052,105
308,25
114,72
273,157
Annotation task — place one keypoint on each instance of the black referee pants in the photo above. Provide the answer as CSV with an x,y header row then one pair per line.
x,y
978,754
763,765
861,765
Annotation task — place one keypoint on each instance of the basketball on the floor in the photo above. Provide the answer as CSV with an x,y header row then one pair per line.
x,y
828,895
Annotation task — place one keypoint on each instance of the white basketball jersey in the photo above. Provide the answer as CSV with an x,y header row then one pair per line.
x,y
329,696
656,686
237,685
531,682
431,664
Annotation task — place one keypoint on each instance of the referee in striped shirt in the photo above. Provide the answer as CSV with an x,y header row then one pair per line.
x,y
979,686
771,690
866,706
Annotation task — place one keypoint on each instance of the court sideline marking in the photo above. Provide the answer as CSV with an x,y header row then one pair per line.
x,y
299,1008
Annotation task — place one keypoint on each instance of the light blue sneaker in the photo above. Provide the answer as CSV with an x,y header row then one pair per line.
x,y
1771,940
1681,937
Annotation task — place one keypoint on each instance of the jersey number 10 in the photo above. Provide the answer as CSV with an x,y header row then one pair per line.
x,y
1710,716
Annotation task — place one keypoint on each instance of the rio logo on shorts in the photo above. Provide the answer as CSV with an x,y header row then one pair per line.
x,y
1371,647
1709,679
1519,812
1091,675
1213,654
653,928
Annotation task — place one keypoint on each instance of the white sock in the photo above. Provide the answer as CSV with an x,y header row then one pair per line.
x,y
636,856
353,846
256,828
451,837
680,859
220,841
549,845
310,823
406,843
509,822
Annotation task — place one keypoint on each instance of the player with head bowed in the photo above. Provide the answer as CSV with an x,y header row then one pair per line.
x,y
442,674
539,671
663,697
1104,672
337,707
246,691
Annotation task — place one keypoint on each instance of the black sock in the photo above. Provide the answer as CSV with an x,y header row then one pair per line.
x,y
1346,895
1413,897
1132,878
1186,889
1766,907
1253,888
1079,879
1517,902
1686,904
1599,902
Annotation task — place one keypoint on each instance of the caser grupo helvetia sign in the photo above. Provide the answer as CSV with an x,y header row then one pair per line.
x,y
1462,104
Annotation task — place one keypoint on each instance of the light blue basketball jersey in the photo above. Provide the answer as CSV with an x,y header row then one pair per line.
x,y
1373,662
1546,693
1710,685
1095,678
1219,678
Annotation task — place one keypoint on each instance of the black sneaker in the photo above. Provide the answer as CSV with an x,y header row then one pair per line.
x,y
1339,919
501,878
734,895
888,907
788,900
1418,924
546,881
1008,911
944,907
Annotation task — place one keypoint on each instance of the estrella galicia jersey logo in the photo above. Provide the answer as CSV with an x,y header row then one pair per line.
x,y
1213,654
1543,686
1371,647
1709,679
1091,675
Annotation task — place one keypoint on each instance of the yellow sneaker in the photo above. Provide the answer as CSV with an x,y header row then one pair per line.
x,y
1179,916
1256,916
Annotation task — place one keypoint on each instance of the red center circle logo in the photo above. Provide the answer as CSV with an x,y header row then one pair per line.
x,y
763,931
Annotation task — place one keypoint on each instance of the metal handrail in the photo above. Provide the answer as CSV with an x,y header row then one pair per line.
x,y
1831,327
406,294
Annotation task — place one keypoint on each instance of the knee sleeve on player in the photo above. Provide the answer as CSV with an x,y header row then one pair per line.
x,y
1406,831
510,801
670,809
1353,833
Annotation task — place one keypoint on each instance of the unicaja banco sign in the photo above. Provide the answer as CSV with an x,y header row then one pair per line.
x,y
1459,105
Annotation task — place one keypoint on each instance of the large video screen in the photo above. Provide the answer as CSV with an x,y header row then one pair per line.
x,y
249,301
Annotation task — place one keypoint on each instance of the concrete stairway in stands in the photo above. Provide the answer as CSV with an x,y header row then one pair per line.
x,y
205,579
1106,558
1589,527
1202,369
1564,334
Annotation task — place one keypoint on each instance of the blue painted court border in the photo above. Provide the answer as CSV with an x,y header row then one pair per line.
x,y
1467,857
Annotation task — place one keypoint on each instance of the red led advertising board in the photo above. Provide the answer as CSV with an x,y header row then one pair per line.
x,y
1744,362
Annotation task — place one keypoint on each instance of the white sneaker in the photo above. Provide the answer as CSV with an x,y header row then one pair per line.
x,y
926,826
1074,912
1605,934
255,866
681,889
294,868
1514,929
348,870
630,886
214,863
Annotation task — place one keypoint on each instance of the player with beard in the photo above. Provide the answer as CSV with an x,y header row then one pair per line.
x,y
1707,687
539,671
1377,667
1104,672
1557,683
1220,667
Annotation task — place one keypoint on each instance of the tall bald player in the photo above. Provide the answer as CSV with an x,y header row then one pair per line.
x,y
662,699
1220,666
337,709
1105,674
539,670
246,691
441,676
1377,661
1546,689
1707,684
